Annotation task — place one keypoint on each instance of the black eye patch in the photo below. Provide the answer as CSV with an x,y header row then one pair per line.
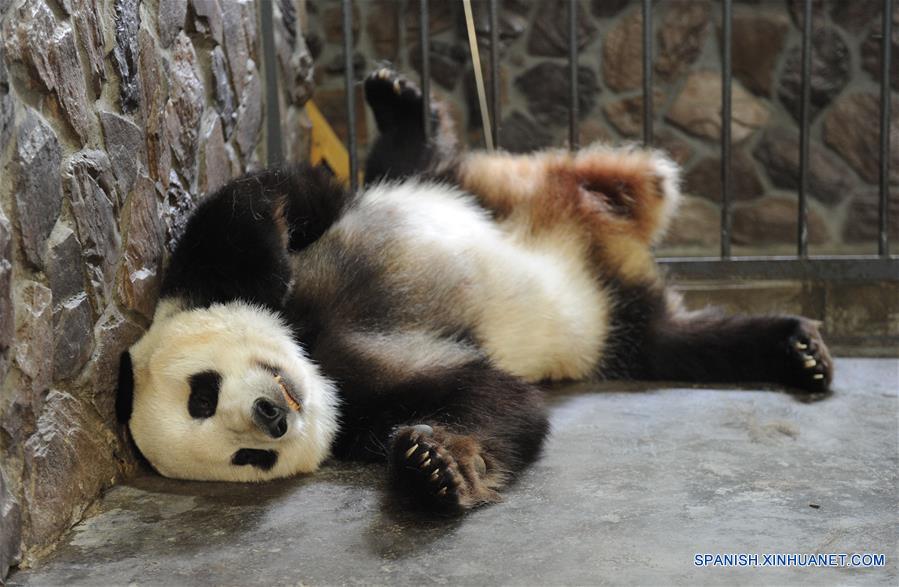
x,y
261,459
204,394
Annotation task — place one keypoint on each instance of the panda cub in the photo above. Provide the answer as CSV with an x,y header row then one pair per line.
x,y
414,322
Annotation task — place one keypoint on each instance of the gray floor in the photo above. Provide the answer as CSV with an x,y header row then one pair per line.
x,y
632,485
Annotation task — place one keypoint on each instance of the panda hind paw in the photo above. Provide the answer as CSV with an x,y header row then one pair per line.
x,y
809,361
425,469
392,97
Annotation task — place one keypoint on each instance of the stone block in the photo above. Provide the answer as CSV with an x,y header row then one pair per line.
x,y
697,108
38,192
125,53
852,129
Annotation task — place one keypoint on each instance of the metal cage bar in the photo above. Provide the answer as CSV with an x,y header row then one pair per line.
x,y
494,70
883,244
573,141
274,149
424,39
726,79
802,237
647,73
350,92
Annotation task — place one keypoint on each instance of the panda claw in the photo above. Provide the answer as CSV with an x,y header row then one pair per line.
x,y
397,87
818,376
809,362
411,450
442,491
435,475
425,464
801,346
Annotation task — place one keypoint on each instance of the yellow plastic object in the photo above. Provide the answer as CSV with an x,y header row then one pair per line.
x,y
327,146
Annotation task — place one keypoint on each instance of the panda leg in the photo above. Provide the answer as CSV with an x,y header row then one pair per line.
x,y
711,347
401,149
461,456
452,439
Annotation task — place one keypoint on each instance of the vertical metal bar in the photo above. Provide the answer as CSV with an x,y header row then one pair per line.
x,y
647,73
424,39
274,152
803,127
572,65
494,69
726,79
350,91
883,245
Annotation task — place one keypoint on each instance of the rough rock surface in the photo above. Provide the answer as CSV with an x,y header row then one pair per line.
x,y
871,52
172,14
124,145
34,37
829,179
774,221
852,129
681,36
141,269
697,108
185,107
829,74
546,88
697,224
127,22
38,192
89,186
607,8
863,221
626,114
447,61
758,39
60,480
704,178
549,34
520,134
622,54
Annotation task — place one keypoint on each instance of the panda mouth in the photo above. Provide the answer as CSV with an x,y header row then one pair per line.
x,y
292,401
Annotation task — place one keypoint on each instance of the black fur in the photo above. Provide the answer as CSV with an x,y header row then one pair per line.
x,y
229,249
254,457
124,402
401,149
204,394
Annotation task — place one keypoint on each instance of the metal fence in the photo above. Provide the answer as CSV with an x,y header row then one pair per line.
x,y
881,266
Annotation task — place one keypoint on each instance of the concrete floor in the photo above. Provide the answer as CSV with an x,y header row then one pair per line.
x,y
632,485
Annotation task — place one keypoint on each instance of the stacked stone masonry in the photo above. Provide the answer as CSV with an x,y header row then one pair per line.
x,y
116,118
533,78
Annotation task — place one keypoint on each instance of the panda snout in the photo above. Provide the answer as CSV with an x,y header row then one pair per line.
x,y
270,417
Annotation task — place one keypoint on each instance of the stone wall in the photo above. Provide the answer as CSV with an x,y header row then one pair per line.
x,y
116,117
766,49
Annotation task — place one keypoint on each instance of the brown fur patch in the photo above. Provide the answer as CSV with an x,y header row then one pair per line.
x,y
614,198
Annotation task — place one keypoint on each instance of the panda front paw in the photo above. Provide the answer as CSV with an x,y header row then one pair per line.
x,y
393,98
810,367
424,468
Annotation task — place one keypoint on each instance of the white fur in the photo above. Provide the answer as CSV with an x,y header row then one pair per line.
x,y
230,339
535,305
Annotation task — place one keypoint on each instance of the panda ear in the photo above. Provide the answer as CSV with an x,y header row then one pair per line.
x,y
125,394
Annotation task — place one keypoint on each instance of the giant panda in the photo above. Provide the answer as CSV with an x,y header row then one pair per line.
x,y
419,320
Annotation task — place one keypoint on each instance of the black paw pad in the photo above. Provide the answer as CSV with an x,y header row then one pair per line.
x,y
810,366
424,470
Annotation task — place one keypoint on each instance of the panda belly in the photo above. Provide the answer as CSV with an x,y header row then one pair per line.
x,y
535,307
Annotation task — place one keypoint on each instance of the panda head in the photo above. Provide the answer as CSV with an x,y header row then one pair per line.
x,y
224,393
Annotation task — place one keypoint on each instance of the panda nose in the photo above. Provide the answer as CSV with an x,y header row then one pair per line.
x,y
270,417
